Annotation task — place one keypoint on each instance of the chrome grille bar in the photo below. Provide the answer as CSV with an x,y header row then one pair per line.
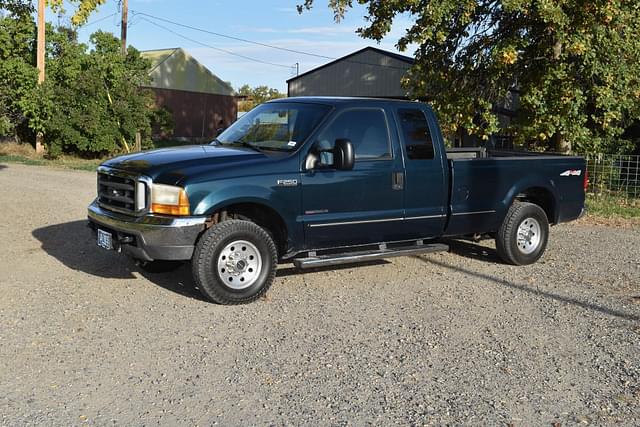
x,y
119,191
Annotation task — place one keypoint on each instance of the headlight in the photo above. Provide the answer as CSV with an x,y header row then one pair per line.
x,y
170,200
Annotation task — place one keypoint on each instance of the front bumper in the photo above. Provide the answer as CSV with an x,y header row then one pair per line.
x,y
149,237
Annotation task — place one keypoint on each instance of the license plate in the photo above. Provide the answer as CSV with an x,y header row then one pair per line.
x,y
104,239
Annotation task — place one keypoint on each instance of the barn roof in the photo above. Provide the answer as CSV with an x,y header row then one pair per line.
x,y
176,69
393,55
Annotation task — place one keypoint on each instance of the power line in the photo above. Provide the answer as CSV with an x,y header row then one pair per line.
x,y
100,20
231,37
216,48
263,44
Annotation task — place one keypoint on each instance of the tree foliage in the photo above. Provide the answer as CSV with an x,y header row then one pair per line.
x,y
18,77
257,95
575,64
84,8
99,102
92,100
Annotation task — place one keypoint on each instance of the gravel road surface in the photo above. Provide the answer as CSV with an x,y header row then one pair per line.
x,y
458,338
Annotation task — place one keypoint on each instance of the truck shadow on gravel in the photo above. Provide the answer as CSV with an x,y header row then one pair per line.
x,y
474,251
564,299
73,244
288,270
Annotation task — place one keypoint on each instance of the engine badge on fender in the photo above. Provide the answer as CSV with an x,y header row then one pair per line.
x,y
287,182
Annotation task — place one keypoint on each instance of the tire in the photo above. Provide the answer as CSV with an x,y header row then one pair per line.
x,y
234,262
523,235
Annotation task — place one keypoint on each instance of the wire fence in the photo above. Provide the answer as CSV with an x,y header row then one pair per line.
x,y
614,175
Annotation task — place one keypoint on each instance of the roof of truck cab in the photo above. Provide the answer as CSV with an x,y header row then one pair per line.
x,y
335,100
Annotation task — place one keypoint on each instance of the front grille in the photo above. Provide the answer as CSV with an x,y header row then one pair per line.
x,y
118,192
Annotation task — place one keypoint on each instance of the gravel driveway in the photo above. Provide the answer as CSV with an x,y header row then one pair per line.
x,y
448,338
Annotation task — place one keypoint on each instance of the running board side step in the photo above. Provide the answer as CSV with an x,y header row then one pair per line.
x,y
361,256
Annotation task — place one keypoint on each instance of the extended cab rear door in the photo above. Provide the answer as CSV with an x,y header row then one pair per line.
x,y
426,192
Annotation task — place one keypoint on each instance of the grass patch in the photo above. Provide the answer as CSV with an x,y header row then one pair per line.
x,y
613,207
12,152
12,158
63,162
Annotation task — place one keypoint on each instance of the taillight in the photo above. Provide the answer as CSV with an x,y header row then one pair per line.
x,y
585,183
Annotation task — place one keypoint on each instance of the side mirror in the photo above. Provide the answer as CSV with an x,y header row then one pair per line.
x,y
343,155
219,131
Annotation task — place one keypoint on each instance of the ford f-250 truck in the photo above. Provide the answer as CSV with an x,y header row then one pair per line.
x,y
323,181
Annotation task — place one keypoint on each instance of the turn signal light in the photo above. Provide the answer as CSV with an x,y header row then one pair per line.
x,y
170,210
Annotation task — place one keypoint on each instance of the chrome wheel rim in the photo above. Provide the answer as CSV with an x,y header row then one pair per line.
x,y
529,235
239,264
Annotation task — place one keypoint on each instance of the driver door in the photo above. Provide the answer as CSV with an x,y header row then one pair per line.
x,y
358,206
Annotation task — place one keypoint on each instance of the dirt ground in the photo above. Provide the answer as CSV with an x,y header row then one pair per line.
x,y
450,338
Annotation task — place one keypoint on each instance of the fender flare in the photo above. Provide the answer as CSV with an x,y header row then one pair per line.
x,y
525,184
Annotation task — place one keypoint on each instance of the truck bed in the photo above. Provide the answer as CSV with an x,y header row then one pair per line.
x,y
484,183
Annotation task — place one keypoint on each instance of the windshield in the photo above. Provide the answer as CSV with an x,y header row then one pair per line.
x,y
278,126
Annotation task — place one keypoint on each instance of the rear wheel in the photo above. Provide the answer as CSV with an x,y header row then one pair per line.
x,y
234,262
523,235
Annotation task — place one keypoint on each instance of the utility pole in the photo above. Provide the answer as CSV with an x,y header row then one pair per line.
x,y
123,26
40,60
40,53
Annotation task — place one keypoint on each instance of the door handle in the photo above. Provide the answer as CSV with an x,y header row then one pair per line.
x,y
397,181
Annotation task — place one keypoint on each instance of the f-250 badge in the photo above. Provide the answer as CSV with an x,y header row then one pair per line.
x,y
287,182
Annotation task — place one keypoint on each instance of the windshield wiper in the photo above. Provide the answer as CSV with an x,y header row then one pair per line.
x,y
273,148
258,148
247,145
240,143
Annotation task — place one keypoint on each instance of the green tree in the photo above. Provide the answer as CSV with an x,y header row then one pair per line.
x,y
92,101
18,77
257,95
99,102
84,8
576,64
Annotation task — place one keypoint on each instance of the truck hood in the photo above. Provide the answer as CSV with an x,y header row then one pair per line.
x,y
170,165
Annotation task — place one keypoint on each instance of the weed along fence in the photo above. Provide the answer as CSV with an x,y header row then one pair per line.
x,y
614,175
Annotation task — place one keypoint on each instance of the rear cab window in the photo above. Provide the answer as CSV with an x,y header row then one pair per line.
x,y
416,134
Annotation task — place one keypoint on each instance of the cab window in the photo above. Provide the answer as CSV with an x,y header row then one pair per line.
x,y
416,135
366,128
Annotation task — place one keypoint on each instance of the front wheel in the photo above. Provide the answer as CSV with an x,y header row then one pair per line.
x,y
523,235
234,262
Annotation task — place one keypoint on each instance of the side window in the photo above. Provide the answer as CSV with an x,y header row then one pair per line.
x,y
416,135
367,130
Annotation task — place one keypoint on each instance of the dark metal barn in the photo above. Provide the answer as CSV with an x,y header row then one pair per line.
x,y
370,72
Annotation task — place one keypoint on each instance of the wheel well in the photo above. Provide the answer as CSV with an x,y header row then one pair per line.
x,y
541,197
262,215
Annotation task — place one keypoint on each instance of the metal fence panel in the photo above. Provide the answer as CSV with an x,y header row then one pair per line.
x,y
614,175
